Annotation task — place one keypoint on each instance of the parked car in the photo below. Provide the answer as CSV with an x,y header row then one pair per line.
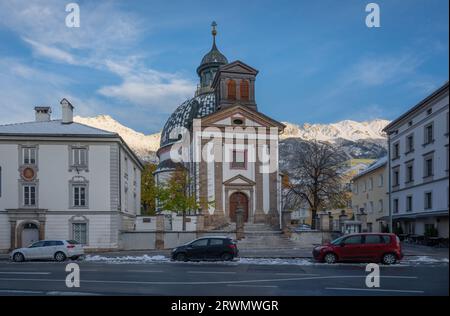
x,y
58,250
364,247
207,248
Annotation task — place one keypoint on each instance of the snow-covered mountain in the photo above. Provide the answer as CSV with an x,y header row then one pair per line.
x,y
145,146
348,130
359,139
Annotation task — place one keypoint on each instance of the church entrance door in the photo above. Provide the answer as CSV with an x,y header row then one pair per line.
x,y
237,199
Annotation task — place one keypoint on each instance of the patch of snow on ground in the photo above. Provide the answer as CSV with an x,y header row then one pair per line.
x,y
127,259
426,259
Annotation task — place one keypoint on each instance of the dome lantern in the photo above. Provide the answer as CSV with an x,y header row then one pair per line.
x,y
210,63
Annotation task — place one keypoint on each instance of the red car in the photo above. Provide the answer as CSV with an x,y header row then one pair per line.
x,y
364,247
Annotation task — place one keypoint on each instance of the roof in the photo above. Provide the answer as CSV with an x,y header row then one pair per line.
x,y
53,128
436,93
376,165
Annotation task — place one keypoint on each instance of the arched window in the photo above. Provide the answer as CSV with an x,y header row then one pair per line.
x,y
231,89
244,89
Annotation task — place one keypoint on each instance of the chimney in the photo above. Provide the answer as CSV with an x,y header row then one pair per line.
x,y
42,113
67,111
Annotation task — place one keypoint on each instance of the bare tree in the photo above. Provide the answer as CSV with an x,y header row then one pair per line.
x,y
316,178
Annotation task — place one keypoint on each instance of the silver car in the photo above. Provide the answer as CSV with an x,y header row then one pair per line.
x,y
58,250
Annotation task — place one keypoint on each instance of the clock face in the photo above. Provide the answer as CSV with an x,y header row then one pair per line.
x,y
28,174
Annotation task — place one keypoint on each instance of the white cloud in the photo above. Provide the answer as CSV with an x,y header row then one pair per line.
x,y
147,87
51,52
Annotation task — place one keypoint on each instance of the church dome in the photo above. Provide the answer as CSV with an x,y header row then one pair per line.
x,y
213,58
183,116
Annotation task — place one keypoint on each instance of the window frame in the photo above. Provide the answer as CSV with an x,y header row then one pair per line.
x,y
74,165
73,224
233,162
74,184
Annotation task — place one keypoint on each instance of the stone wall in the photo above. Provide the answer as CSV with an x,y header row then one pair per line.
x,y
308,239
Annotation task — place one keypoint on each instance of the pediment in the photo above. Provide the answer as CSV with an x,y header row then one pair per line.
x,y
251,117
239,180
239,67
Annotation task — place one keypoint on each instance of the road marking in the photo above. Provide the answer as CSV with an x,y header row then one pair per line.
x,y
13,272
54,293
146,271
372,289
250,285
213,282
304,274
214,272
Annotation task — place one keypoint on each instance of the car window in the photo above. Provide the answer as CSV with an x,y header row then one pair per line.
x,y
216,242
37,244
73,242
48,243
353,240
337,241
386,239
200,243
373,239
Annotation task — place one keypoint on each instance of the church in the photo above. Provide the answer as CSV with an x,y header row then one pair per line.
x,y
230,149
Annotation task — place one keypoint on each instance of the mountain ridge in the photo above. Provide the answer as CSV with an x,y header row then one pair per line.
x,y
359,139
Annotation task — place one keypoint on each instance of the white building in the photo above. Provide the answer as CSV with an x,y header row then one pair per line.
x,y
419,166
64,180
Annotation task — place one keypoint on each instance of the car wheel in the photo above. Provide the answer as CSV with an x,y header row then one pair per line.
x,y
389,258
18,257
181,257
226,256
60,256
330,258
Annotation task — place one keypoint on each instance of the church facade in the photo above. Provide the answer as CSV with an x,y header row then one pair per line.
x,y
228,147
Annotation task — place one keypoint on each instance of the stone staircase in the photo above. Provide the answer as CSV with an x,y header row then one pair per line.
x,y
263,236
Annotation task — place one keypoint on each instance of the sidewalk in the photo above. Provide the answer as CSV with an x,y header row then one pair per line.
x,y
408,250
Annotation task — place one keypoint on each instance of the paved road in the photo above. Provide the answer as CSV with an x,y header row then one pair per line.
x,y
169,278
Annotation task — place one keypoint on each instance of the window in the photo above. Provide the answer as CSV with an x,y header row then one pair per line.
x,y
38,244
239,159
0,181
428,200
410,143
29,195
396,151
428,134
429,111
370,184
29,155
386,239
371,206
409,173
396,177
79,195
50,243
428,168
380,206
231,89
380,180
409,203
365,186
200,243
216,242
79,233
79,157
369,227
373,239
353,240
395,205
244,89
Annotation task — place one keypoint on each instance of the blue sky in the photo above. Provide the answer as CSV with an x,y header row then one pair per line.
x,y
136,60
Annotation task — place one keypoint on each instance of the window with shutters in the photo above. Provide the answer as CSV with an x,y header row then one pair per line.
x,y
244,90
231,89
